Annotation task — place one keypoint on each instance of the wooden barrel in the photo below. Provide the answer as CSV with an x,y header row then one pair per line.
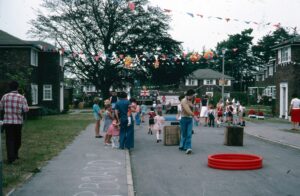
x,y
171,135
234,136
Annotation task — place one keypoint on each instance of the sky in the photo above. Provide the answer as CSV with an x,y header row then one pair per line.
x,y
195,32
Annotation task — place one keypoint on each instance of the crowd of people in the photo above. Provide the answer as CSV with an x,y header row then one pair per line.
x,y
119,115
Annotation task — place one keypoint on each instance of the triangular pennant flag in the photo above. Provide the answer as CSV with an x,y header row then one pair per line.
x,y
131,6
277,25
62,51
96,58
227,19
191,14
234,49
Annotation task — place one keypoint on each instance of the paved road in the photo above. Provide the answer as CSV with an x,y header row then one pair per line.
x,y
85,168
164,170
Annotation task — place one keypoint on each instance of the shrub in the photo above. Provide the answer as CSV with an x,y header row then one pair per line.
x,y
260,113
251,112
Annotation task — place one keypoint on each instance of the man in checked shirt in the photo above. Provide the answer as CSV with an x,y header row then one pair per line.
x,y
14,105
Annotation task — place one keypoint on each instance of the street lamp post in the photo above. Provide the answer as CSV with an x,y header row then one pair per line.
x,y
223,76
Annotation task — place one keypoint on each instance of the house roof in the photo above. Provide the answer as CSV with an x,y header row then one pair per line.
x,y
7,39
11,41
43,45
208,74
292,41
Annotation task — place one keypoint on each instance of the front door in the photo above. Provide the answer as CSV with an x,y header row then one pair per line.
x,y
283,100
61,99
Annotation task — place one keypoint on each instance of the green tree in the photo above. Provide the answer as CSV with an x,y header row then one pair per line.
x,y
116,30
263,50
239,61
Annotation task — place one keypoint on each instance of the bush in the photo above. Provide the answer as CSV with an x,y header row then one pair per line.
x,y
251,112
48,111
240,96
260,113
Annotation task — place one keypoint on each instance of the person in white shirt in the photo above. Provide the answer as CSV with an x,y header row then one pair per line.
x,y
295,111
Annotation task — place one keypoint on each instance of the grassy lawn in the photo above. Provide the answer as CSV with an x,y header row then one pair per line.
x,y
269,120
267,110
42,139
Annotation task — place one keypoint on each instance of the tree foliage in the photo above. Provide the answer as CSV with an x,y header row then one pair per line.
x,y
239,61
263,50
112,31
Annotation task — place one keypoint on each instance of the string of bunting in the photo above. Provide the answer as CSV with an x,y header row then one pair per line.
x,y
277,25
129,61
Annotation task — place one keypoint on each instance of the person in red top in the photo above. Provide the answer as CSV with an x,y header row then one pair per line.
x,y
151,114
14,105
196,114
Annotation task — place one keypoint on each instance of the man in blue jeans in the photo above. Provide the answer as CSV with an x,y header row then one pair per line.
x,y
121,112
186,122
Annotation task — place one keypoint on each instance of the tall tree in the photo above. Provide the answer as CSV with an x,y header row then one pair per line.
x,y
103,35
239,61
263,50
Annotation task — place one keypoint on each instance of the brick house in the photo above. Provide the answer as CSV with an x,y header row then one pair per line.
x,y
207,82
280,78
46,80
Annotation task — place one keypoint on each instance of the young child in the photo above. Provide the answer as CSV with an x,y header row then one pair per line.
x,y
197,115
114,132
211,116
143,111
158,126
98,117
151,114
108,118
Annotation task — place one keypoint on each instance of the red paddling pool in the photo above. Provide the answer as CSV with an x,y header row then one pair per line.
x,y
235,161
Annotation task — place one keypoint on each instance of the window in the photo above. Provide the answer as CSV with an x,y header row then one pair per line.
x,y
266,73
34,94
209,82
257,78
284,55
191,82
270,69
209,94
226,82
61,60
252,91
34,58
47,92
90,88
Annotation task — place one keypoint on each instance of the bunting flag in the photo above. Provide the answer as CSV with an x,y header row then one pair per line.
x,y
277,25
131,6
62,51
128,62
191,14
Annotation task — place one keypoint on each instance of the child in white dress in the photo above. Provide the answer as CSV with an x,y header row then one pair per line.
x,y
158,126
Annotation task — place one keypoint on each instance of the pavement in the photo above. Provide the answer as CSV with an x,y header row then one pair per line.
x,y
88,168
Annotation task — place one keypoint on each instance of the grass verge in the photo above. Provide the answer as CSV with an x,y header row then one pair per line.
x,y
42,139
269,120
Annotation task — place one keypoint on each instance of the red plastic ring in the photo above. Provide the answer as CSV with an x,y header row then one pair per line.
x,y
235,161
